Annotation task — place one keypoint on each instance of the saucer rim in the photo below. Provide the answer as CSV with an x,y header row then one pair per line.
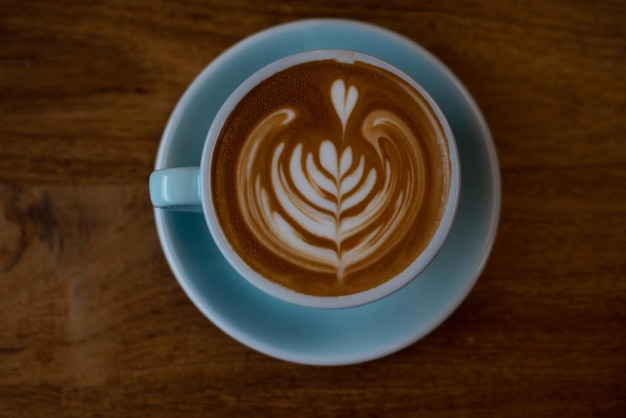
x,y
257,344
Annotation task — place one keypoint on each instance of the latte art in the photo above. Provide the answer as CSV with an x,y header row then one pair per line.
x,y
321,209
336,191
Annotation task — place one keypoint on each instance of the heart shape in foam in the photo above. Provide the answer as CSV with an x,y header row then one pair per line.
x,y
343,101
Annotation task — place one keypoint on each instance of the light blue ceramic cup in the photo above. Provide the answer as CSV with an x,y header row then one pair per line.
x,y
188,188
330,336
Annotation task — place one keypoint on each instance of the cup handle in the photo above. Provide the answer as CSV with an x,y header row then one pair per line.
x,y
176,189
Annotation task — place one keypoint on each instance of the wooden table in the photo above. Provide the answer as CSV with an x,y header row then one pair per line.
x,y
93,323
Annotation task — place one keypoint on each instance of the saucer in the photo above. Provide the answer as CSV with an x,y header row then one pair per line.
x,y
330,337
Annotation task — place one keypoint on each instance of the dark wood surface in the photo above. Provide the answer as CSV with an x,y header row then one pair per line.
x,y
93,323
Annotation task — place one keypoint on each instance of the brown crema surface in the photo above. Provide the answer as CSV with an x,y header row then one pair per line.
x,y
330,178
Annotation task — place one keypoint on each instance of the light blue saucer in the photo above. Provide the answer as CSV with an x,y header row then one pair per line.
x,y
330,337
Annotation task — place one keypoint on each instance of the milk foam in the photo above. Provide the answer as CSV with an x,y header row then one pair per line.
x,y
335,207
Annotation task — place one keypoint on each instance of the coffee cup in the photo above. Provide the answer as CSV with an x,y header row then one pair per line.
x,y
328,179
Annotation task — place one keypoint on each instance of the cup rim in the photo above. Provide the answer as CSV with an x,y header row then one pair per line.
x,y
384,289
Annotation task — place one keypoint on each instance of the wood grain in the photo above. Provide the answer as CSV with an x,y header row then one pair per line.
x,y
92,322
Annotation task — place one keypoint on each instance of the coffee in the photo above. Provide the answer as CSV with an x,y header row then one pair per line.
x,y
330,178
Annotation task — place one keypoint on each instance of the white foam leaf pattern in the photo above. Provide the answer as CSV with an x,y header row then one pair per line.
x,y
327,207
